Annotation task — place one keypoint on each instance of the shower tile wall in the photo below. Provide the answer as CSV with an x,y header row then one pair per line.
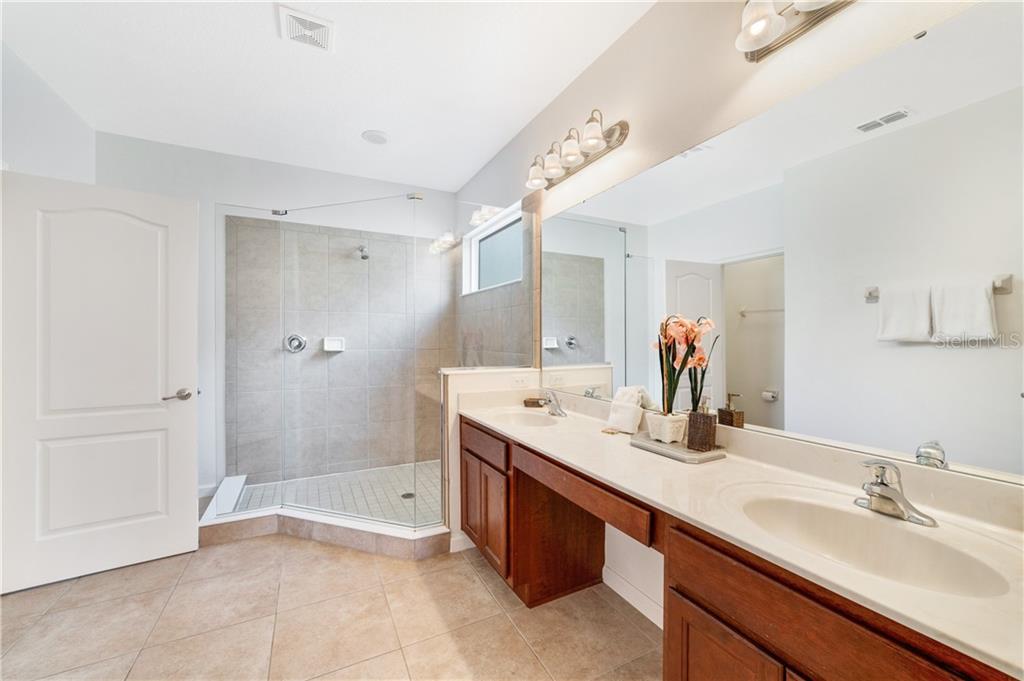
x,y
312,413
573,305
495,326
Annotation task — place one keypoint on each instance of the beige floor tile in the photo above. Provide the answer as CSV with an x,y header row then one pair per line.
x,y
645,668
72,638
580,636
388,667
491,650
475,558
32,601
437,602
309,579
126,581
499,588
209,604
648,628
114,669
12,628
239,652
330,635
299,549
221,559
392,569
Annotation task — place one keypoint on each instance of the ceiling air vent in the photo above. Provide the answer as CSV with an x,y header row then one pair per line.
x,y
883,120
306,29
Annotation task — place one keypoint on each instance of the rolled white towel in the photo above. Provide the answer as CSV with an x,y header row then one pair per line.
x,y
624,417
627,408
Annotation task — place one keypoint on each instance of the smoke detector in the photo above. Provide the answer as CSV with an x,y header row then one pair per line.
x,y
306,28
881,121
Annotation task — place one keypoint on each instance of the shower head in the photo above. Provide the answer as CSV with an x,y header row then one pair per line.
x,y
364,254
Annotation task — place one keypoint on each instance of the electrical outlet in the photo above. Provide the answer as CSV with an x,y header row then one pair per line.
x,y
557,380
519,381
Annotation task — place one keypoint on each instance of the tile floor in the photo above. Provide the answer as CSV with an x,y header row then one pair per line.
x,y
374,493
282,608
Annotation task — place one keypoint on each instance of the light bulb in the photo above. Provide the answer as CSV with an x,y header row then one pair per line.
x,y
810,5
593,134
535,179
760,26
553,164
571,155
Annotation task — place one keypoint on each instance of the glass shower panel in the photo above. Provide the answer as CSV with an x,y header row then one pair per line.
x,y
642,319
337,320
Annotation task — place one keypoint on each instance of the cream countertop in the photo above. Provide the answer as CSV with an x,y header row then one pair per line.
x,y
710,496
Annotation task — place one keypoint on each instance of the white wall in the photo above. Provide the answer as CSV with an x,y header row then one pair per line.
x,y
218,179
936,201
745,227
42,135
678,80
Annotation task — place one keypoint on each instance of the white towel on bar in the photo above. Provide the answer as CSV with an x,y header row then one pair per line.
x,y
964,310
626,411
904,314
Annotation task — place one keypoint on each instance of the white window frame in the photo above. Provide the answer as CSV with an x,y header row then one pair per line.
x,y
471,249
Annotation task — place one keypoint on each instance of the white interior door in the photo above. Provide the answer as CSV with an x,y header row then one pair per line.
x,y
692,290
99,327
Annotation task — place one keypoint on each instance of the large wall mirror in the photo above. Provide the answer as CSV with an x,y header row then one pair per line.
x,y
859,248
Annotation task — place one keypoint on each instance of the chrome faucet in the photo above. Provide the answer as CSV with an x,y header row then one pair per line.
x,y
885,495
932,454
550,400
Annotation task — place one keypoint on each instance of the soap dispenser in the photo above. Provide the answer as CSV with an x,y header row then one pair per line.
x,y
730,416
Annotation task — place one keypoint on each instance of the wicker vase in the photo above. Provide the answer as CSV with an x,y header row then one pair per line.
x,y
700,432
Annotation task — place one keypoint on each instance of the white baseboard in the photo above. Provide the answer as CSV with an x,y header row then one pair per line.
x,y
638,599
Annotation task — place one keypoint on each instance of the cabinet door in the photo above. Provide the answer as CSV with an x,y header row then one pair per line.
x,y
472,511
700,648
494,502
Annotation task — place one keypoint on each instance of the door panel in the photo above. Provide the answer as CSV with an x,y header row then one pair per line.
x,y
694,289
494,502
472,512
99,320
105,272
700,648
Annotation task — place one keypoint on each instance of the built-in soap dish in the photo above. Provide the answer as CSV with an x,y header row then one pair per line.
x,y
642,440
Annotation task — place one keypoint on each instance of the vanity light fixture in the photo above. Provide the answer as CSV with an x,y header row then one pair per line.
x,y
764,29
553,162
482,215
445,242
536,179
571,154
576,151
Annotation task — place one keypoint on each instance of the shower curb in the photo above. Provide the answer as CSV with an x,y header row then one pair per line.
x,y
417,548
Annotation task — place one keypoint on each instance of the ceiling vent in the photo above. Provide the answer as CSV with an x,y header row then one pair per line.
x,y
306,29
883,120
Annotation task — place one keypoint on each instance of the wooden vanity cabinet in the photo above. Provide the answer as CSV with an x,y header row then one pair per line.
x,y
730,615
484,484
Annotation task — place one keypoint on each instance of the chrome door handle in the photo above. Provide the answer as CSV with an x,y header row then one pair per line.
x,y
182,395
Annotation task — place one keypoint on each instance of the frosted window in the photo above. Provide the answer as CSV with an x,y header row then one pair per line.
x,y
500,256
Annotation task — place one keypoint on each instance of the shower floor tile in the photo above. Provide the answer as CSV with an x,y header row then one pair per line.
x,y
375,494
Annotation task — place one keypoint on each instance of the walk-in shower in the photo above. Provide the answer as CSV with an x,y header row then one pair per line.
x,y
349,420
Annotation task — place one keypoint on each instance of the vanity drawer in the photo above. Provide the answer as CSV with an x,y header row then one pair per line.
x,y
486,446
818,642
618,512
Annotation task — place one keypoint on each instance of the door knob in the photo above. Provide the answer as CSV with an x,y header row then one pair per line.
x,y
182,395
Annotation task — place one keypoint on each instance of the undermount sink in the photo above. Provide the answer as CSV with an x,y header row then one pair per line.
x,y
525,418
882,546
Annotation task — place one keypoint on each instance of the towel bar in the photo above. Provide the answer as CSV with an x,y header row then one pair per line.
x,y
1002,284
